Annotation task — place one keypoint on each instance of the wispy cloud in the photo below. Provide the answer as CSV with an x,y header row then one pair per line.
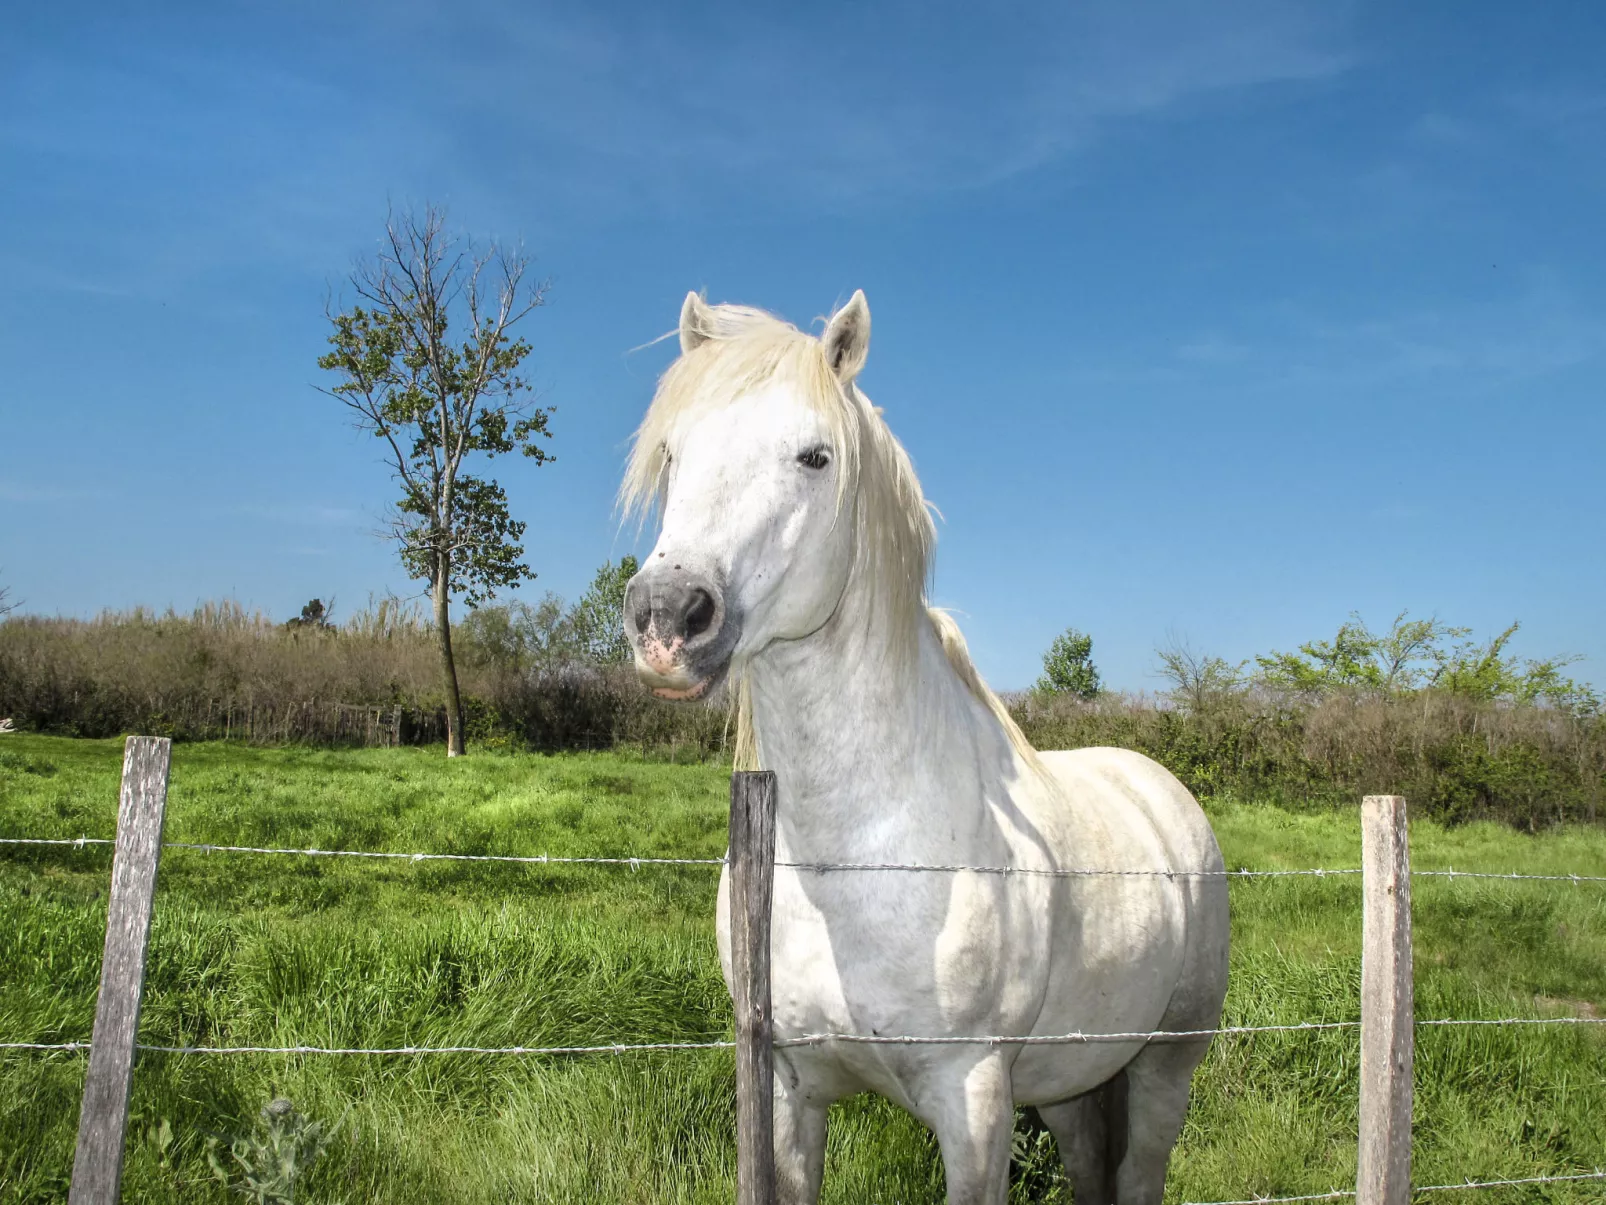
x,y
226,146
890,99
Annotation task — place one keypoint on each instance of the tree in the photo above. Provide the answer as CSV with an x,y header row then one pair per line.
x,y
1348,660
6,605
599,616
1408,656
517,637
437,397
1068,667
315,616
1415,654
1487,671
1197,680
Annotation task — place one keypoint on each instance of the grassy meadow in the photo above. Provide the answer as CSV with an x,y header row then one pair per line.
x,y
260,950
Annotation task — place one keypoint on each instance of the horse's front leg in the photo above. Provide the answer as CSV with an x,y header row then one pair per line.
x,y
972,1112
799,1140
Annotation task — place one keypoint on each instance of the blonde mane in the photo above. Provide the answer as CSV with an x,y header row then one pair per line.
x,y
747,348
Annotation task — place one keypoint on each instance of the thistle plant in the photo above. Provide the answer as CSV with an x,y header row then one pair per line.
x,y
267,1165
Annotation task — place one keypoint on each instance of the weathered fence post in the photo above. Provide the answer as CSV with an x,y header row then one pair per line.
x,y
98,1164
752,879
1383,1175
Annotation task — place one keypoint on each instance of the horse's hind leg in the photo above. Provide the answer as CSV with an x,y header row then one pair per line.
x,y
1090,1131
1158,1080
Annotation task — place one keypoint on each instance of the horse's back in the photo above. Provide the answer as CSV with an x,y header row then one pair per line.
x,y
1099,776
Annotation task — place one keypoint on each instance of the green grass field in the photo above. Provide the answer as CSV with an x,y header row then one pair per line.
x,y
259,950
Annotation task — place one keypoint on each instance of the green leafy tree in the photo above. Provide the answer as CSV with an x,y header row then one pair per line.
x,y
599,616
1487,671
1068,667
517,636
1408,656
427,361
1348,660
1420,653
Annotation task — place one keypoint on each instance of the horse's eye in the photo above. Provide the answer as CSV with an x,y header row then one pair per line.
x,y
814,458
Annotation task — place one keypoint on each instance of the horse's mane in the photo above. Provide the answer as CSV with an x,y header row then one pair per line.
x,y
747,348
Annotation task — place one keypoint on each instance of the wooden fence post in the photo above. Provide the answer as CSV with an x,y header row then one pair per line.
x,y
1383,1175
103,1121
752,879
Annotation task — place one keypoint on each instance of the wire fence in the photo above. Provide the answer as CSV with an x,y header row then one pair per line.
x,y
817,867
1339,1194
820,1039
816,1039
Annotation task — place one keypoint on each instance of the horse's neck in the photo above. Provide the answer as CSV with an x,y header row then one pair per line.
x,y
873,758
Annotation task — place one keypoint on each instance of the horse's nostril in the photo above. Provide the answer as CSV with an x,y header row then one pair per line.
x,y
642,614
699,613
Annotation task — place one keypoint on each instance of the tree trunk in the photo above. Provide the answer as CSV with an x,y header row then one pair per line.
x,y
443,633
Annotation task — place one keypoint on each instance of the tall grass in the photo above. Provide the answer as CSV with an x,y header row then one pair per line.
x,y
281,951
223,671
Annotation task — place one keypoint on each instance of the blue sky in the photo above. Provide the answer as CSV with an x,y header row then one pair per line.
x,y
1212,320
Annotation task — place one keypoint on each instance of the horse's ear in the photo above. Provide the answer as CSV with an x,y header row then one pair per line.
x,y
696,323
847,338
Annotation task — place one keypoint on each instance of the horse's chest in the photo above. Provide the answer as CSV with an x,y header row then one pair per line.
x,y
923,957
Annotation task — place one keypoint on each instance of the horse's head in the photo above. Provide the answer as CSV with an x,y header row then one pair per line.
x,y
754,451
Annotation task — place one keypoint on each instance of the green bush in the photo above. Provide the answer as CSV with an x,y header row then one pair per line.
x,y
1459,758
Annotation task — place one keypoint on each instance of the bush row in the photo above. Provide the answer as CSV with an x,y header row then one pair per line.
x,y
1454,757
221,673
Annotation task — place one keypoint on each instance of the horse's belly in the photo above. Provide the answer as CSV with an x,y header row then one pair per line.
x,y
1118,954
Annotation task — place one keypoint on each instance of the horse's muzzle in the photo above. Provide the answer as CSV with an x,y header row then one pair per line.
x,y
678,625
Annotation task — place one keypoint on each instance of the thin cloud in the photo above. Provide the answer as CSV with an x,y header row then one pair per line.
x,y
891,101
275,160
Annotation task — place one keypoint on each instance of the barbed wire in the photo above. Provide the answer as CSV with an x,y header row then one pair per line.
x,y
1596,1174
1486,874
1518,1021
1058,1039
1335,1194
525,859
820,1039
609,1048
1338,1194
1069,872
818,867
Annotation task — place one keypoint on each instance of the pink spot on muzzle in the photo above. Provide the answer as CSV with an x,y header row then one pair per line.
x,y
660,655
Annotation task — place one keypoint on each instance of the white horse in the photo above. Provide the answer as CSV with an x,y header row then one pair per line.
x,y
793,556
